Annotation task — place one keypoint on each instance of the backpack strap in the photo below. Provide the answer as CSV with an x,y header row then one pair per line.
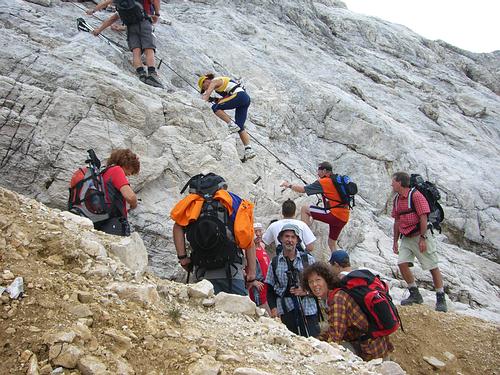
x,y
274,266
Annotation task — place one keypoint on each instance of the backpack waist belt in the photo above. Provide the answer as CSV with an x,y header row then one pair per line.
x,y
230,92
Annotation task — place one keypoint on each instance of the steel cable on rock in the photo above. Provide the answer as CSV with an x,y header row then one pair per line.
x,y
109,40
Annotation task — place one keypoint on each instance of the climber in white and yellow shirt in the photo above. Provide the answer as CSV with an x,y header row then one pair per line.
x,y
234,97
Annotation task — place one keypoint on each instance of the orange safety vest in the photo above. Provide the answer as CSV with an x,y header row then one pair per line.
x,y
331,198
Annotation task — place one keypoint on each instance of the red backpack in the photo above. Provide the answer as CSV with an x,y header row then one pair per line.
x,y
372,296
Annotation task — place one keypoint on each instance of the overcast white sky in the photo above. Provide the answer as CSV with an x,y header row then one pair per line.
x,y
470,25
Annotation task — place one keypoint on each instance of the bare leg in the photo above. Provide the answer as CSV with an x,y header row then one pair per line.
x,y
437,278
223,116
245,138
305,215
136,58
150,56
406,272
332,244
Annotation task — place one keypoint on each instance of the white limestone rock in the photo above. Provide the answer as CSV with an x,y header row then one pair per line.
x,y
202,289
145,293
131,252
249,371
45,3
73,221
232,303
434,362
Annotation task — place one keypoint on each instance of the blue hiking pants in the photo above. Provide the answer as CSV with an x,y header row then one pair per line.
x,y
239,101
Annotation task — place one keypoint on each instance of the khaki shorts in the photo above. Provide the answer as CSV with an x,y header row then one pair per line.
x,y
408,251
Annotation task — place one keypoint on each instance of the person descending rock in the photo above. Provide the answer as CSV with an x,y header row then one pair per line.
x,y
286,299
334,213
218,225
288,211
233,96
410,226
347,323
139,17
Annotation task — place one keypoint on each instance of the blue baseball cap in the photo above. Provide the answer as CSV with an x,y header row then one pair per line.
x,y
339,257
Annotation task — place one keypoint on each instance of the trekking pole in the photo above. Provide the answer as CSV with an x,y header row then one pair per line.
x,y
82,25
301,313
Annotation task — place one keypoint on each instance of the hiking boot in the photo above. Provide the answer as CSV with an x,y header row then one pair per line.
x,y
441,302
249,153
415,297
154,80
233,128
142,76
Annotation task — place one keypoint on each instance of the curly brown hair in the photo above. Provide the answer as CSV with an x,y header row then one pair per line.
x,y
125,158
323,270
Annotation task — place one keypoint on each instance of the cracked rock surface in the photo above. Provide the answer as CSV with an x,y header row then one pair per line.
x,y
326,84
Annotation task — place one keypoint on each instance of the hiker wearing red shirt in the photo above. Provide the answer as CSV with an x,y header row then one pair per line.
x,y
258,289
412,239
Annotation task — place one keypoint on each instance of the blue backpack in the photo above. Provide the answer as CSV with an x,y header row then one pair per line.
x,y
346,188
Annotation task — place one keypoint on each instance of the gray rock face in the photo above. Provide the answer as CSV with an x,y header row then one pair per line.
x,y
326,84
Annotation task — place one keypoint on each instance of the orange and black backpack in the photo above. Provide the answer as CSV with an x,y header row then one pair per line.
x,y
211,235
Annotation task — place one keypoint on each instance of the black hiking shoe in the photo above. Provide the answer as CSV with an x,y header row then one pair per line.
x,y
142,76
415,297
441,302
153,80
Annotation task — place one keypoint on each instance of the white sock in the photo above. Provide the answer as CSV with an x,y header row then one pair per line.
x,y
412,285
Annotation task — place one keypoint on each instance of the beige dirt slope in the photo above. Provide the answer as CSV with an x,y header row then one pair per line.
x,y
67,293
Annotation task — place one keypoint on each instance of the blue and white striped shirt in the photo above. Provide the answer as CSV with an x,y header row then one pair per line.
x,y
280,285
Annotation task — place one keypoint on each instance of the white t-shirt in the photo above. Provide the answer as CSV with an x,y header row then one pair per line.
x,y
271,233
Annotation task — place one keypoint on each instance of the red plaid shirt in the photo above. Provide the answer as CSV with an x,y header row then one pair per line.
x,y
408,221
347,323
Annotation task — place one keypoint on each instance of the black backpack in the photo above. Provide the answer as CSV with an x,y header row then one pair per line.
x,y
205,184
211,236
130,11
432,195
346,188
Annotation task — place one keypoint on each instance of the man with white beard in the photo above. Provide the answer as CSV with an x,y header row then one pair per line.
x,y
287,300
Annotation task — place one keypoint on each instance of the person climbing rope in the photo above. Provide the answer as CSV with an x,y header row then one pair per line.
x,y
234,97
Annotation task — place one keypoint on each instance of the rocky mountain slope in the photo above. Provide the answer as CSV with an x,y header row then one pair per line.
x,y
83,311
326,84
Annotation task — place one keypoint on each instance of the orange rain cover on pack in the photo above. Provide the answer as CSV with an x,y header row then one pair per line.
x,y
188,210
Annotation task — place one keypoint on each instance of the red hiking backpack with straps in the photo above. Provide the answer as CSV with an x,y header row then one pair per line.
x,y
372,296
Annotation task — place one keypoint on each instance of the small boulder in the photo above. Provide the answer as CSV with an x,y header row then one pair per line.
x,y
65,355
79,310
434,362
131,252
232,303
145,293
90,365
202,289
